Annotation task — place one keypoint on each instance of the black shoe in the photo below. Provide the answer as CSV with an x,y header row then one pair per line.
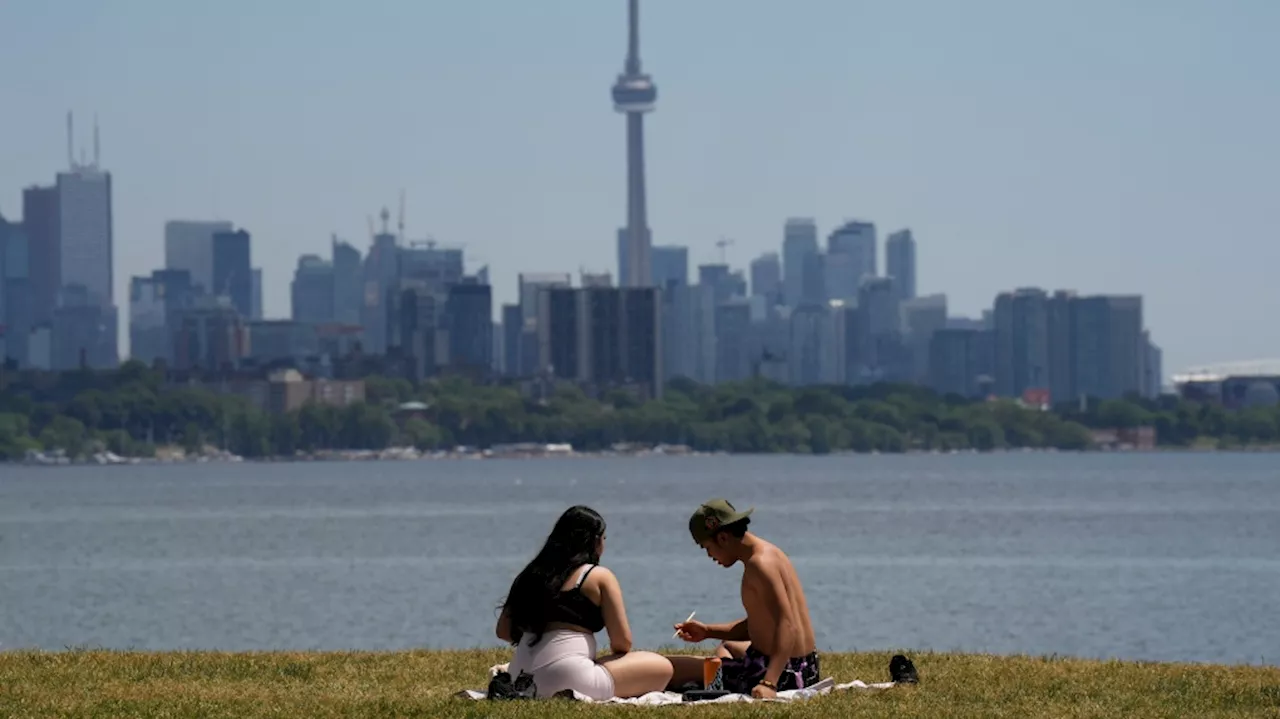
x,y
902,671
501,687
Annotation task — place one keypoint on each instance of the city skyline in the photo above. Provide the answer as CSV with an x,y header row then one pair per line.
x,y
1146,237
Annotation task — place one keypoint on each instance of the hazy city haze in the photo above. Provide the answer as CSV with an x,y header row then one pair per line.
x,y
1103,147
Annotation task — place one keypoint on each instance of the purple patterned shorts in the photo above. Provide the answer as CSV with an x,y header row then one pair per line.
x,y
741,675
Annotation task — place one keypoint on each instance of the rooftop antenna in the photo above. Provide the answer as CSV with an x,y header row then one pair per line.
x,y
386,218
95,139
71,154
401,225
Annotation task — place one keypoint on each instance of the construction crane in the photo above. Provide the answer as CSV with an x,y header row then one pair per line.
x,y
722,243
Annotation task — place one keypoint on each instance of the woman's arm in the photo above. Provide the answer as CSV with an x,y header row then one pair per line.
x,y
615,612
503,630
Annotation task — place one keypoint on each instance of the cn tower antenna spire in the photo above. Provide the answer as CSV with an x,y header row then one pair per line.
x,y
633,45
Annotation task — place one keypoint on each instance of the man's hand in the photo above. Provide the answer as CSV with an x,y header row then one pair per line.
x,y
694,631
761,691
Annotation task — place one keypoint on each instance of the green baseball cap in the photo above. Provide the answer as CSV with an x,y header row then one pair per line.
x,y
711,516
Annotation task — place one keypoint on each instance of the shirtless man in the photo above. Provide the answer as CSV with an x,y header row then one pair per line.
x,y
772,648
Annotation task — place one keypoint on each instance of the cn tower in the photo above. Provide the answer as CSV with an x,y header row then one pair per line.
x,y
634,94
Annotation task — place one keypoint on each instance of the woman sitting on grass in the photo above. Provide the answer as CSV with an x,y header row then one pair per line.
x,y
555,607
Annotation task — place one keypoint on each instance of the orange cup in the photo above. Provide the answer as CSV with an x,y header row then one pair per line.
x,y
710,671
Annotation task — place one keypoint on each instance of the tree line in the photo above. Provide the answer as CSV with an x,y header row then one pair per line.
x,y
131,411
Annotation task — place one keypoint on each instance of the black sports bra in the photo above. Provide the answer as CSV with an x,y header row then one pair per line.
x,y
573,607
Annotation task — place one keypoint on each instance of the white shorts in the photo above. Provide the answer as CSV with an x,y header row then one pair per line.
x,y
563,659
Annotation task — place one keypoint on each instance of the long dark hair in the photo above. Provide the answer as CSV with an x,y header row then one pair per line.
x,y
571,544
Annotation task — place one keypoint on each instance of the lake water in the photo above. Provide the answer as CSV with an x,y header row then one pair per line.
x,y
1150,556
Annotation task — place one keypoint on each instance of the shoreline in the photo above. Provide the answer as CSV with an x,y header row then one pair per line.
x,y
705,649
175,456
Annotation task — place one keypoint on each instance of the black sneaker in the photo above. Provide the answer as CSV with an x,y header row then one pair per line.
x,y
501,687
902,671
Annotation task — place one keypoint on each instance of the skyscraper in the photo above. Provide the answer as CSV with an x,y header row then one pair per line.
x,y
855,243
84,221
188,245
85,322
604,337
900,259
15,294
799,240
1108,348
670,265
40,218
922,317
1021,342
233,270
155,305
766,277
469,323
255,305
312,291
634,94
347,283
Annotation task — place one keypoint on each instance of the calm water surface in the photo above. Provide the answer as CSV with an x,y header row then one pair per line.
x,y
1157,556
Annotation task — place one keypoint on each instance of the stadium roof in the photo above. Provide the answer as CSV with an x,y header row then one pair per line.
x,y
1222,370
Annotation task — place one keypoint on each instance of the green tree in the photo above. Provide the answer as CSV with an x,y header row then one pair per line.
x,y
286,434
985,435
15,437
423,435
1070,436
65,433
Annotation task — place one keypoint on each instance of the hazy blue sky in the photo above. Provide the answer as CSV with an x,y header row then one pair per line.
x,y
1099,145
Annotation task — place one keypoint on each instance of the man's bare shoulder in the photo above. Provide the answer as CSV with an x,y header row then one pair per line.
x,y
768,558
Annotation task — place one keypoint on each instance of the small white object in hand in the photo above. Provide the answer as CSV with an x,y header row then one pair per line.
x,y
690,619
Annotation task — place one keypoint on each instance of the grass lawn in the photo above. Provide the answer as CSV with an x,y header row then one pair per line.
x,y
420,684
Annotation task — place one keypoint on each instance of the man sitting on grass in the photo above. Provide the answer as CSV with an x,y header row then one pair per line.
x,y
772,648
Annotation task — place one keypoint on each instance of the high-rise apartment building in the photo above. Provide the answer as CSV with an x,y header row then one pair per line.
x,y
900,262
1070,346
961,361
1021,342
766,277
603,337
1110,348
799,242
855,240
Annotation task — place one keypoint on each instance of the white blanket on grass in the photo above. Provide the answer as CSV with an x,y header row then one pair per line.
x,y
826,686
